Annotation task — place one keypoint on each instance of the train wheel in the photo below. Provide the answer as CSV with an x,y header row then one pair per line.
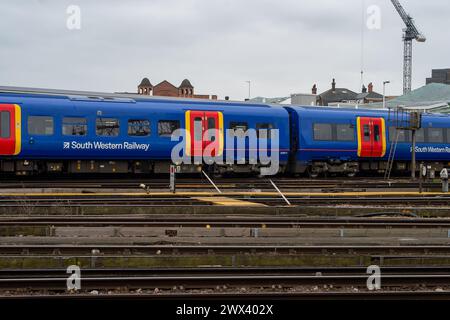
x,y
311,174
217,175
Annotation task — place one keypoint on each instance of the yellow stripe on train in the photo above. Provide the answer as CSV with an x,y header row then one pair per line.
x,y
18,129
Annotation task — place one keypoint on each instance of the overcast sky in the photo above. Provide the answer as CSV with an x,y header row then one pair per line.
x,y
282,46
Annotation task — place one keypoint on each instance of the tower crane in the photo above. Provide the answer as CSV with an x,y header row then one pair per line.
x,y
410,33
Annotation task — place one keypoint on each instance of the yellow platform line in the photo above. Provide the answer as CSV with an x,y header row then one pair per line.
x,y
225,201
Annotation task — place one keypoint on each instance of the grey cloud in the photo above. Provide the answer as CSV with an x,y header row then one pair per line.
x,y
282,46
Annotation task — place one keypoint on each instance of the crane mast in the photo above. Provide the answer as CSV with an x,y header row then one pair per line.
x,y
410,33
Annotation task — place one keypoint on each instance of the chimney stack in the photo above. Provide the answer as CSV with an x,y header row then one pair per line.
x,y
333,85
370,87
364,89
314,89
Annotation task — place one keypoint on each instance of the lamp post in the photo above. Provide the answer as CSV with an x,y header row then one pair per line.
x,y
249,83
384,93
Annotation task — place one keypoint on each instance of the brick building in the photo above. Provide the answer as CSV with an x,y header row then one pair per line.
x,y
167,89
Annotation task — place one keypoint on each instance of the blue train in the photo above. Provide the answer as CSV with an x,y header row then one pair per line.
x,y
70,132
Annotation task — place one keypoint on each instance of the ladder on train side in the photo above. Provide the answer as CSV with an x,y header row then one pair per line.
x,y
391,157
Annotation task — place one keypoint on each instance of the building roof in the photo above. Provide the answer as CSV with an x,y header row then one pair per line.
x,y
186,84
165,82
337,95
145,83
433,94
275,100
369,95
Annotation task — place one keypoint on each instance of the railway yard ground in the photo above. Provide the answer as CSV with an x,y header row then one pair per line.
x,y
310,239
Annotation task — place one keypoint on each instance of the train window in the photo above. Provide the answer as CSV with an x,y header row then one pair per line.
x,y
241,126
264,130
376,133
211,132
40,125
74,126
5,129
435,135
167,127
323,131
402,135
420,135
448,135
139,128
345,132
366,130
107,127
198,129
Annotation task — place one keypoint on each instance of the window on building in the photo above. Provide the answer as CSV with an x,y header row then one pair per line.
x,y
138,128
5,124
345,132
74,126
435,135
323,131
240,127
107,127
40,125
263,130
167,127
402,135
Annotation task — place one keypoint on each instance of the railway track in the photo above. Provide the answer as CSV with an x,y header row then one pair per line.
x,y
148,200
180,280
225,271
201,183
127,250
417,295
220,221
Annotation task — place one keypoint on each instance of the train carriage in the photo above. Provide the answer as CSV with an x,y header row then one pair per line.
x,y
348,141
74,132
83,132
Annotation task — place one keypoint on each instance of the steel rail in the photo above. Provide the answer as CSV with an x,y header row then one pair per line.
x,y
248,296
214,221
90,250
192,271
213,281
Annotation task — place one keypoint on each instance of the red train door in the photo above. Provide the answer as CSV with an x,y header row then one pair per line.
x,y
211,133
7,130
204,129
371,137
196,133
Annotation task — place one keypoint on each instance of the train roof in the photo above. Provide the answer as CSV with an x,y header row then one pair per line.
x,y
347,111
75,95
